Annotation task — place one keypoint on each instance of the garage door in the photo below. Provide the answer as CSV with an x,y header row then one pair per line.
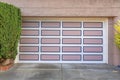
x,y
63,41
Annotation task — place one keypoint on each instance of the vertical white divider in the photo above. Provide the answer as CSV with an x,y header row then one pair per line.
x,y
60,41
40,39
82,36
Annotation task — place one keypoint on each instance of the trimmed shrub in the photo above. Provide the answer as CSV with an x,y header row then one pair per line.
x,y
10,29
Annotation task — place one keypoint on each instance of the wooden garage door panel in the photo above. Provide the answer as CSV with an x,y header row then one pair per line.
x,y
50,41
29,40
93,33
28,24
50,24
71,33
92,49
92,25
50,49
50,57
71,24
71,49
93,57
71,41
30,32
71,57
29,57
93,41
28,48
50,33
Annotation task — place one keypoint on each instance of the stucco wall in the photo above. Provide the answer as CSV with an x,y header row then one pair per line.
x,y
110,41
68,7
116,51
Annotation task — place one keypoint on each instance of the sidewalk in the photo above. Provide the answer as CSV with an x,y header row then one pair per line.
x,y
61,72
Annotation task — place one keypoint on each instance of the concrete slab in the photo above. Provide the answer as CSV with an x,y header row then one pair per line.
x,y
61,72
86,66
43,75
37,66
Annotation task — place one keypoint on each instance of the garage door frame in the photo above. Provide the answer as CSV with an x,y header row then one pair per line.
x,y
105,38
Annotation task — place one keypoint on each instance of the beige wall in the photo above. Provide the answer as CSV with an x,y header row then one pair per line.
x,y
110,41
76,8
68,7
113,51
116,51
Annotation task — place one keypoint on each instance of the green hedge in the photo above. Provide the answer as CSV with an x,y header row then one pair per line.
x,y
10,29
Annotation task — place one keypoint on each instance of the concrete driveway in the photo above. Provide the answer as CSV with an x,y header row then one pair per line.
x,y
61,72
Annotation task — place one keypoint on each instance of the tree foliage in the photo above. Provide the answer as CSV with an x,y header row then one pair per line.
x,y
10,29
117,33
